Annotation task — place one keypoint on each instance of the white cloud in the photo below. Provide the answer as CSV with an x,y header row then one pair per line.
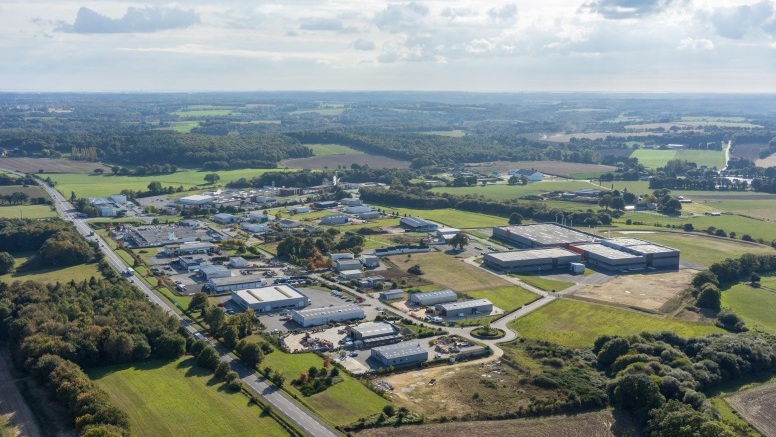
x,y
696,45
364,44
135,20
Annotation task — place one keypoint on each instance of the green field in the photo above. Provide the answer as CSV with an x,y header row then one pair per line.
x,y
446,133
332,149
183,127
450,272
176,398
88,185
321,111
506,298
27,211
757,306
341,404
50,275
452,217
544,283
658,158
195,112
728,222
505,191
578,324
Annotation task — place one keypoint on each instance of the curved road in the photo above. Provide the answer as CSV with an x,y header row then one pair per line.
x,y
302,418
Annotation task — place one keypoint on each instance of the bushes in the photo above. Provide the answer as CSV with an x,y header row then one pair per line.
x,y
730,321
710,297
208,358
316,380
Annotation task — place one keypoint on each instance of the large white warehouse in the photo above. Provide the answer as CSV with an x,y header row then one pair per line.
x,y
271,298
322,316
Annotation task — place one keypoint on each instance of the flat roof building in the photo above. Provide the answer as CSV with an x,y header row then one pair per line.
x,y
400,354
370,261
373,334
188,248
541,235
238,262
347,275
216,271
195,200
254,228
392,294
341,255
334,219
226,219
347,264
322,316
433,297
232,283
532,260
465,308
160,235
414,224
656,255
369,215
358,209
610,258
271,298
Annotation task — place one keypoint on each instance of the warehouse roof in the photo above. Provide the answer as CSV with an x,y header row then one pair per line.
x,y
208,270
432,294
400,350
416,222
644,249
606,252
231,280
269,294
328,311
374,329
464,304
526,255
626,242
548,234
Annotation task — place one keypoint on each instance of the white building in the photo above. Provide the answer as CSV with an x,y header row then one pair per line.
x,y
347,275
254,228
322,316
238,262
334,219
195,200
266,299
532,175
233,283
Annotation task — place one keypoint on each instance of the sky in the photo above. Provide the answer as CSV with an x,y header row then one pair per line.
x,y
719,46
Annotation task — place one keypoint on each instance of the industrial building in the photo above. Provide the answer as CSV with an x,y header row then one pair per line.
x,y
195,200
350,201
370,261
188,248
392,294
532,260
373,334
656,256
189,263
238,262
160,235
347,264
232,283
400,354
334,219
369,215
433,297
541,235
341,255
609,258
254,228
226,219
271,298
358,209
212,272
414,224
328,204
322,316
347,275
464,308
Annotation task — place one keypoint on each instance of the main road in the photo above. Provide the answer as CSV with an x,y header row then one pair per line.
x,y
303,419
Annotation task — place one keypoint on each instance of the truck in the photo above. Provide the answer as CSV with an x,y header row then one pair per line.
x,y
129,271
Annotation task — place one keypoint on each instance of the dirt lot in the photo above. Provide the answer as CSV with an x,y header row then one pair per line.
x,y
598,424
332,161
48,165
758,407
748,151
550,167
649,291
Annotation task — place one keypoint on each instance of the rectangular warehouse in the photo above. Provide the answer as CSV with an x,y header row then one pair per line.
x,y
465,308
532,260
610,258
322,316
656,255
271,298
541,235
433,297
392,294
400,354
232,283
373,334
414,224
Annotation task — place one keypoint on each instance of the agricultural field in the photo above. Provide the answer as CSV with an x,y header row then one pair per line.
x,y
658,158
54,274
321,111
451,217
559,168
506,298
578,324
169,399
770,161
757,407
332,149
757,205
345,161
27,211
215,111
30,191
182,127
747,150
505,191
446,133
89,185
450,272
757,306
728,222
653,292
49,165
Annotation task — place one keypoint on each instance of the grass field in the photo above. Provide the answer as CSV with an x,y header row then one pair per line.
x,y
332,149
183,127
321,111
204,112
578,324
174,399
341,404
504,191
728,222
31,191
506,298
27,211
452,217
450,272
658,158
446,133
52,275
544,283
756,305
86,185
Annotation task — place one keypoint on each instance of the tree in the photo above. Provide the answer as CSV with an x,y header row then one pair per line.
x,y
6,263
754,280
618,203
524,180
155,187
612,350
513,180
460,239
222,369
198,302
636,391
212,178
208,358
515,219
215,318
710,297
389,410
251,355
605,201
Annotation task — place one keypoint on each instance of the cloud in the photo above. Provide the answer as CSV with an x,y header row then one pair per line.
x,y
624,9
736,22
696,45
363,44
504,16
398,18
326,24
135,20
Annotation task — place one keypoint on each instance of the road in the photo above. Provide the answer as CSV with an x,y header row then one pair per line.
x,y
302,418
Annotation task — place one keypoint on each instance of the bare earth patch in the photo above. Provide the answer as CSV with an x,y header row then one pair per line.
x,y
332,161
650,291
48,165
758,407
598,424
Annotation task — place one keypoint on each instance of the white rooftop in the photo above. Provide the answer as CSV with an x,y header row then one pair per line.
x,y
268,294
525,255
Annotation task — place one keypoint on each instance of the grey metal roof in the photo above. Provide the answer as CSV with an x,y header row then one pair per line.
x,y
644,249
416,222
330,311
525,255
399,350
232,280
464,304
433,294
374,329
213,269
606,251
549,233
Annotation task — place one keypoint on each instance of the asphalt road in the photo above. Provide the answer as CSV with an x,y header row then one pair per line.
x,y
302,418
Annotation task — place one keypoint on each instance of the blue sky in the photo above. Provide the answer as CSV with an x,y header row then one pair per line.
x,y
461,45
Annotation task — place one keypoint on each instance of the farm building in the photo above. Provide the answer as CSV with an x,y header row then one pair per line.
x,y
373,334
347,275
656,256
322,316
370,261
414,224
342,255
609,258
532,260
589,192
350,201
232,283
347,264
358,209
270,298
212,272
195,200
226,219
400,354
464,308
325,205
433,297
541,235
392,294
238,262
532,175
334,219
188,248
254,228
369,215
